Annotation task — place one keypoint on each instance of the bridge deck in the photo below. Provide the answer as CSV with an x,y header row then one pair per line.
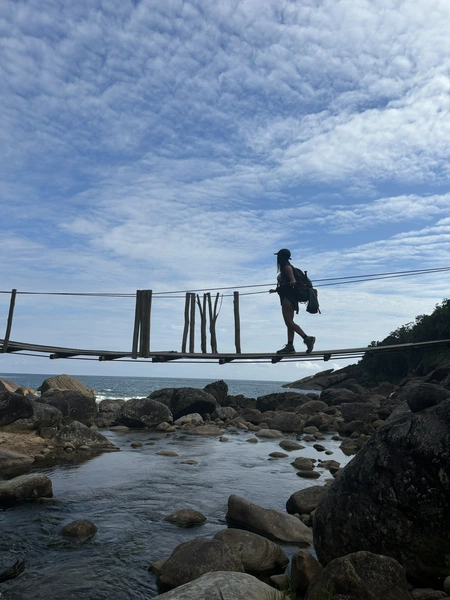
x,y
55,352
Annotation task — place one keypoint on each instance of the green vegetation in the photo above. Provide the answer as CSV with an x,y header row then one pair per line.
x,y
394,366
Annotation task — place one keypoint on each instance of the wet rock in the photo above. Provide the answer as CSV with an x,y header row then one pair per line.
x,y
304,569
274,401
304,464
306,500
271,523
186,517
81,530
14,406
252,415
334,397
25,487
192,419
257,553
10,460
223,586
78,435
311,407
43,416
224,412
188,400
108,412
286,421
192,559
205,430
290,445
361,575
73,404
269,433
144,412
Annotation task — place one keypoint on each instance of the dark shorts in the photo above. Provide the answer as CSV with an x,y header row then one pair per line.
x,y
286,291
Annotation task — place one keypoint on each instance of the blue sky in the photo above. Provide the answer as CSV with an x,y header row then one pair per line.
x,y
172,145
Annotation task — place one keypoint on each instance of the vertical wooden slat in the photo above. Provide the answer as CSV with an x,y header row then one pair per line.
x,y
137,322
202,310
237,323
186,322
212,322
145,323
192,326
10,319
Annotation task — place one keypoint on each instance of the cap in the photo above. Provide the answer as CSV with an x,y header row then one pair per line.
x,y
283,252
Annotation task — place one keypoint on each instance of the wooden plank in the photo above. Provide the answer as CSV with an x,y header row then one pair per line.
x,y
12,303
237,323
186,322
137,325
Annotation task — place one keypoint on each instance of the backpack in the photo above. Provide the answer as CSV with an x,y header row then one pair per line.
x,y
305,292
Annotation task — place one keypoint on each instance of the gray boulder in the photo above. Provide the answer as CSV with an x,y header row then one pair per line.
x,y
304,569
223,413
334,397
65,382
285,421
186,517
11,460
108,412
188,400
397,491
269,522
76,434
81,530
274,401
257,553
14,406
223,585
311,407
306,500
357,411
361,575
164,395
425,395
8,386
43,416
218,389
73,404
144,412
192,559
25,487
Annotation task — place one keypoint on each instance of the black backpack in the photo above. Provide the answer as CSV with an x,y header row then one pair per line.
x,y
305,292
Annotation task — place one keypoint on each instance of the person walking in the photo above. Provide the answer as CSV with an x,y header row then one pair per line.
x,y
289,303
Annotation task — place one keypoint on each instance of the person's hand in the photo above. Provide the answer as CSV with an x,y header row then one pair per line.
x,y
272,291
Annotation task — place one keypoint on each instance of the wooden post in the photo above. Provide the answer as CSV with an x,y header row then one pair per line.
x,y
202,309
192,326
212,321
141,333
237,323
10,319
186,322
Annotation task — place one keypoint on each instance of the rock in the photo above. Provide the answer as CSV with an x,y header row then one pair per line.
x,y
311,407
290,445
186,517
218,389
304,569
14,406
402,466
274,401
192,419
286,421
65,382
188,400
144,412
25,487
357,411
74,405
447,585
303,463
10,460
223,413
8,386
79,435
306,500
308,474
167,453
108,412
361,575
257,553
192,559
269,433
82,530
271,523
334,397
43,416
223,586
427,594
252,415
278,455
424,395
205,430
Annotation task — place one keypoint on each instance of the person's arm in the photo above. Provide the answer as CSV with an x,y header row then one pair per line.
x,y
290,274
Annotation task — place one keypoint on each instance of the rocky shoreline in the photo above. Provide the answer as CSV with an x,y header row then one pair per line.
x,y
380,527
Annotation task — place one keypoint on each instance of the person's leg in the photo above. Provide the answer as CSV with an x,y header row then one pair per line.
x,y
288,315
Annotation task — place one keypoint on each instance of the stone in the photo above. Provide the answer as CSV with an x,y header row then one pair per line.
x,y
144,412
223,413
285,421
81,530
212,430
290,445
73,404
186,517
14,406
223,586
25,487
271,523
218,389
8,386
78,435
311,407
424,395
10,460
257,553
278,455
269,433
361,575
192,559
373,503
308,474
427,594
188,400
304,569
43,416
447,585
109,410
191,419
335,397
357,411
274,401
65,382
303,463
306,500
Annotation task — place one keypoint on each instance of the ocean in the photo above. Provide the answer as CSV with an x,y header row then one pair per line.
x,y
141,387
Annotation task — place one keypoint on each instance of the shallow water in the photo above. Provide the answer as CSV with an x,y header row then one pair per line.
x,y
127,494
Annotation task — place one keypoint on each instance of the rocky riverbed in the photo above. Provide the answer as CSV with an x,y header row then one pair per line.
x,y
375,528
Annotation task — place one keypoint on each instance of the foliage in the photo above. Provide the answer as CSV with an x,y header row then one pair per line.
x,y
393,366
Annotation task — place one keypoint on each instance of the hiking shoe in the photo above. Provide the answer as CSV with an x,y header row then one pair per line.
x,y
309,341
288,349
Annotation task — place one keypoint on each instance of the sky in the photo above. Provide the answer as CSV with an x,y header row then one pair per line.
x,y
177,145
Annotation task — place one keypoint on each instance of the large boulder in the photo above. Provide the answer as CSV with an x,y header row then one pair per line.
x,y
73,404
276,400
218,389
8,386
397,491
361,576
65,382
43,416
14,406
76,435
25,487
223,585
357,411
191,400
257,553
192,559
144,412
108,412
269,522
11,460
334,397
306,500
285,421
